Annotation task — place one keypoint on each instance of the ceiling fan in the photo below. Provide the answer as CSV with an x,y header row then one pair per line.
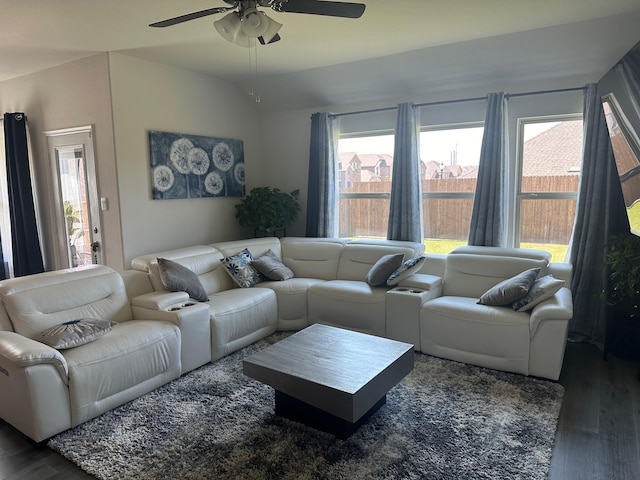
x,y
246,22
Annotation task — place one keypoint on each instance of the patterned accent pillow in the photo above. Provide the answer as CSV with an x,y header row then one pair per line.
x,y
178,278
272,267
239,267
405,270
76,332
511,289
542,289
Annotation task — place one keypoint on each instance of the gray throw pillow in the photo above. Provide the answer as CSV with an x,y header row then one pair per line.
x,y
178,278
271,267
408,268
542,289
511,289
384,267
76,332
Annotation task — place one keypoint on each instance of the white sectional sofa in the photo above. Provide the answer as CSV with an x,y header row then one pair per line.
x,y
435,309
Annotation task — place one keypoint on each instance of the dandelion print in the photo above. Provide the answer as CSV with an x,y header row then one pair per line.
x,y
223,157
198,161
163,178
178,154
195,166
238,173
213,183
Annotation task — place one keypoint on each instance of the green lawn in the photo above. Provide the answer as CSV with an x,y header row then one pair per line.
x,y
433,245
634,216
557,252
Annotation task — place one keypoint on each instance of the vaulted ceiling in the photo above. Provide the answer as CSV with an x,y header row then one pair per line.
x,y
397,48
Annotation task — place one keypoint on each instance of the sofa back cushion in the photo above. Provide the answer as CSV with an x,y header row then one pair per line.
x,y
471,275
207,267
203,260
37,302
312,257
257,246
359,256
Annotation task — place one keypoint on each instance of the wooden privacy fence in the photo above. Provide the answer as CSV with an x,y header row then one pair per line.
x,y
541,220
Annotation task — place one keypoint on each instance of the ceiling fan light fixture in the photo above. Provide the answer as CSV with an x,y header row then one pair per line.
x,y
229,26
243,40
254,23
270,33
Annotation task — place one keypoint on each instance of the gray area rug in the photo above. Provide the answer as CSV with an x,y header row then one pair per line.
x,y
445,420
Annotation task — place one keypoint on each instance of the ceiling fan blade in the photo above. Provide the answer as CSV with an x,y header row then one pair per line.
x,y
190,16
321,7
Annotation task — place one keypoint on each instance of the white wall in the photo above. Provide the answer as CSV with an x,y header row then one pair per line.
x,y
72,95
151,96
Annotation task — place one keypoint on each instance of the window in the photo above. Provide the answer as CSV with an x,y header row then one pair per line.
x,y
550,158
364,175
450,156
626,150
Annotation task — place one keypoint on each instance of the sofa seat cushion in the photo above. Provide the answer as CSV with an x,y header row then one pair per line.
x,y
239,317
351,304
460,329
292,301
132,359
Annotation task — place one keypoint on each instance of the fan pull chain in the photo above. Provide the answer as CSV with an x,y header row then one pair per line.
x,y
253,70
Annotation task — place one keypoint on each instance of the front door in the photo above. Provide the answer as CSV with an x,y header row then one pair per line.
x,y
75,190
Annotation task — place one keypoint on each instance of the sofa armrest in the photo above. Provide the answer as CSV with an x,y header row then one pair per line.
x,y
558,307
161,300
20,352
562,271
422,281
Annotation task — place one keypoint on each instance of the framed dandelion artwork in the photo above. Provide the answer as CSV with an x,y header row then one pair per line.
x,y
193,166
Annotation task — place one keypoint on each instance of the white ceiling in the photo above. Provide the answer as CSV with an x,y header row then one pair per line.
x,y
324,60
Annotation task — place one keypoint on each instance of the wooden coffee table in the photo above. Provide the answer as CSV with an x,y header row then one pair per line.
x,y
330,378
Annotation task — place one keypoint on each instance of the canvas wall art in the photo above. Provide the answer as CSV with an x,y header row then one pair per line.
x,y
194,166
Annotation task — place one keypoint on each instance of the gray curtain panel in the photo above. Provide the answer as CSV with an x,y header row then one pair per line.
x,y
405,209
27,255
322,191
487,218
628,69
600,212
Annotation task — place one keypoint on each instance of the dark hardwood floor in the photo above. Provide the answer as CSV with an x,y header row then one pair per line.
x,y
597,438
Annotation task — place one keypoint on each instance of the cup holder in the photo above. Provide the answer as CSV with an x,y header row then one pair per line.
x,y
402,289
415,291
174,309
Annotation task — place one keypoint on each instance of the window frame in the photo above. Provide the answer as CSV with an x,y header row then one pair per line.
x,y
354,196
451,126
521,196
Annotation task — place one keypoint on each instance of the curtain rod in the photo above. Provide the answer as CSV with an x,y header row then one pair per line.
x,y
462,100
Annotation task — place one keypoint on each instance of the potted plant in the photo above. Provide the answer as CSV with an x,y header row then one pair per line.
x,y
267,209
623,296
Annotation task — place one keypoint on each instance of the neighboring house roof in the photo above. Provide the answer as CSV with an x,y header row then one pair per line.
x,y
557,151
368,176
373,159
